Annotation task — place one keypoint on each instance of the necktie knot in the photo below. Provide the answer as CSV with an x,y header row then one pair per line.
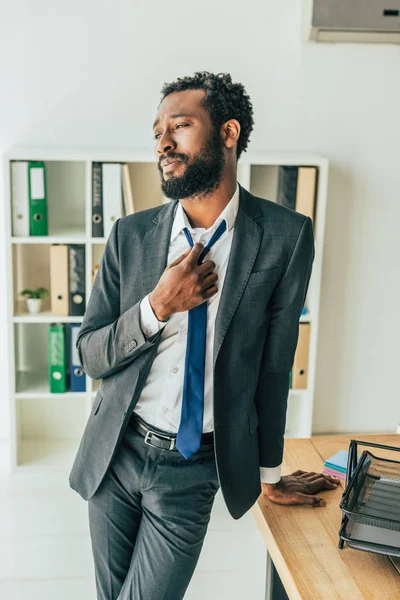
x,y
215,236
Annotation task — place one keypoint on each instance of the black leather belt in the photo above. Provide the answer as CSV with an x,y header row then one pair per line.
x,y
167,442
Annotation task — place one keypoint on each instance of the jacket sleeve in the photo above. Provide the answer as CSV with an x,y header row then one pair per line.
x,y
108,341
286,303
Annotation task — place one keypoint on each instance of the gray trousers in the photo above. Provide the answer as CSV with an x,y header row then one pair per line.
x,y
148,520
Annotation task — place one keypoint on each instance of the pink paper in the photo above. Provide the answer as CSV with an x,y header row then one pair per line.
x,y
334,473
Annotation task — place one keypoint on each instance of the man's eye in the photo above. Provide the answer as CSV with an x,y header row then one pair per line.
x,y
157,135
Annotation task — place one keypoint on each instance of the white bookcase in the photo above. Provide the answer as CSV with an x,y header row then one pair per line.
x,y
45,427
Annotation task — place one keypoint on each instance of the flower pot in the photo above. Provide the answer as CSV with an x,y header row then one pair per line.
x,y
33,305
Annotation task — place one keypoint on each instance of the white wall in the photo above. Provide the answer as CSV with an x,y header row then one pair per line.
x,y
89,73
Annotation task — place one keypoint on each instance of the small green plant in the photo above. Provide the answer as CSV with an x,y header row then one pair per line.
x,y
37,293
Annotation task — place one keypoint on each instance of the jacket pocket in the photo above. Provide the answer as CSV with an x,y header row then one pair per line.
x,y
261,276
97,402
253,419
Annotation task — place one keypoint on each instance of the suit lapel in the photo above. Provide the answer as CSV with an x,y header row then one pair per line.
x,y
246,242
155,247
245,245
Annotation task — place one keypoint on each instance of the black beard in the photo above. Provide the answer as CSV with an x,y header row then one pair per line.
x,y
202,176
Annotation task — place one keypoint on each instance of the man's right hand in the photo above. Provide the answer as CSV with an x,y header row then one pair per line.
x,y
184,284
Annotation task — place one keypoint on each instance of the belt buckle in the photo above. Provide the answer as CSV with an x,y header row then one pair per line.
x,y
147,438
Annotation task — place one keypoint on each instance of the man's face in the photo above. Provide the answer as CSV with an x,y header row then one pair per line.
x,y
186,139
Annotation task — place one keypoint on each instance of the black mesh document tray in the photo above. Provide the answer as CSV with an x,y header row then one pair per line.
x,y
371,502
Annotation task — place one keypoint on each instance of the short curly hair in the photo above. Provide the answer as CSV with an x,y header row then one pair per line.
x,y
224,100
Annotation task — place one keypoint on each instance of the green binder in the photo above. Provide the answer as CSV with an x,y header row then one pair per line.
x,y
37,198
57,358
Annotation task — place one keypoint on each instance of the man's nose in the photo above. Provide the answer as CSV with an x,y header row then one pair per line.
x,y
165,143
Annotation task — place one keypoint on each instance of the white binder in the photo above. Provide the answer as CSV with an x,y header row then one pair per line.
x,y
112,195
20,198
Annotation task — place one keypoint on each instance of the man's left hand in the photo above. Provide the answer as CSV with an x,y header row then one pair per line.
x,y
300,487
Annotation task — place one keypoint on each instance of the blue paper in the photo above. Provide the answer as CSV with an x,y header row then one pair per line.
x,y
339,459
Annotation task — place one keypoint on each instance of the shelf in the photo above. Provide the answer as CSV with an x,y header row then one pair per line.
x,y
35,384
66,236
58,454
32,267
44,317
145,154
48,430
60,239
47,427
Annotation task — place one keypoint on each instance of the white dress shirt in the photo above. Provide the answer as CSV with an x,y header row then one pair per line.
x,y
160,401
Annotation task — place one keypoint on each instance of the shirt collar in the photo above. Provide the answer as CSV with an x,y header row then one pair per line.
x,y
228,214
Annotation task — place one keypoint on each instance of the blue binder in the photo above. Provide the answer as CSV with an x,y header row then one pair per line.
x,y
77,375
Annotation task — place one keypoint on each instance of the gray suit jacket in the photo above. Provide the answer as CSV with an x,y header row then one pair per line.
x,y
256,335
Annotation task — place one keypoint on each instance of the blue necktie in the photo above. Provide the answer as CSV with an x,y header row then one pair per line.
x,y
188,439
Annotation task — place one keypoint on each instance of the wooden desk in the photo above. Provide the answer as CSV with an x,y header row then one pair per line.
x,y
302,541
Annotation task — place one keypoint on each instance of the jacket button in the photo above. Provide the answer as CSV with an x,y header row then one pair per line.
x,y
123,416
134,343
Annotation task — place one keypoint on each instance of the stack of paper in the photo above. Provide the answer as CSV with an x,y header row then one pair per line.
x,y
336,465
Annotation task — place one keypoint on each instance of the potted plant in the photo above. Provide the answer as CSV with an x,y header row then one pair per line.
x,y
34,299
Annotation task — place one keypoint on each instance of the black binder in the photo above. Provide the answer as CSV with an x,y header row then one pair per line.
x,y
77,288
287,186
97,200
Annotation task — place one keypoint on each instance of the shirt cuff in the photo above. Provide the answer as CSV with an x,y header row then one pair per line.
x,y
270,474
149,323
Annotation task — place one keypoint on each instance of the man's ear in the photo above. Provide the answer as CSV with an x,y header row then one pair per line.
x,y
231,132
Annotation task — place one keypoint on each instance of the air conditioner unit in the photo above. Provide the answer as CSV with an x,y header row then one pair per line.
x,y
352,21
